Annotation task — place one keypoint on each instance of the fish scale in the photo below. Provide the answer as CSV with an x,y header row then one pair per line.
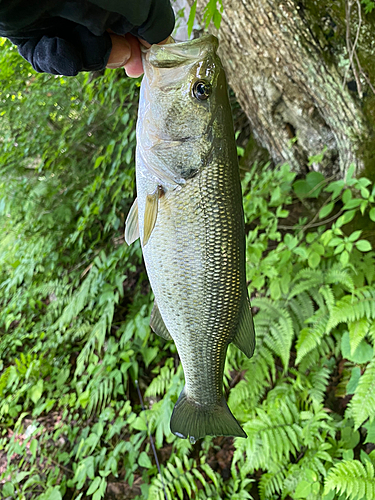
x,y
189,218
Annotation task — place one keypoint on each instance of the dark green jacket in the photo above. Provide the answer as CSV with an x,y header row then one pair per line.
x,y
65,37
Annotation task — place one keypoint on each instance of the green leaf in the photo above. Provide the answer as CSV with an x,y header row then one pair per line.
x,y
345,218
348,454
275,290
144,460
217,19
311,187
351,438
98,162
191,19
326,210
363,353
54,494
314,260
355,235
372,214
84,399
8,489
33,447
149,354
335,188
344,258
329,496
101,491
36,391
363,245
94,485
353,203
317,158
303,490
354,379
139,424
346,196
370,437
350,173
301,188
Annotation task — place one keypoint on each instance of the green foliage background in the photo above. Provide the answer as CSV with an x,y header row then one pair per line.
x,y
75,306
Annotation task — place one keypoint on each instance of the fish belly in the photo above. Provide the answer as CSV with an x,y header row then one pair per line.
x,y
195,263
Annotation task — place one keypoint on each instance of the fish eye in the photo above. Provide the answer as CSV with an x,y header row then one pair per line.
x,y
202,90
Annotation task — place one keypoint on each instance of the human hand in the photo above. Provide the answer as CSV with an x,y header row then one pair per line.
x,y
126,53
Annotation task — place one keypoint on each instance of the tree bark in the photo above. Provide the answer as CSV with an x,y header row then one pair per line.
x,y
288,81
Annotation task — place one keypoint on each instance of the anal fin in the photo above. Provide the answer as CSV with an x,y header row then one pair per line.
x,y
245,335
157,324
131,224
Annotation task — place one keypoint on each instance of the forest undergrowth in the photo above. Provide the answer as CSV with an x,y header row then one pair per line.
x,y
75,305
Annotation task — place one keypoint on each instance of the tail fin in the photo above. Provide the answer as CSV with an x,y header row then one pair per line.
x,y
193,421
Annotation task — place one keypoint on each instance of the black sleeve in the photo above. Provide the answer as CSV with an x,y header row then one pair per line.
x,y
66,37
152,20
68,53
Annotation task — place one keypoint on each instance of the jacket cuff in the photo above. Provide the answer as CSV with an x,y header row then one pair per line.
x,y
159,24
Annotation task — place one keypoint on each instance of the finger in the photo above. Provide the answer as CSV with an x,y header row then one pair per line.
x,y
134,67
121,52
163,42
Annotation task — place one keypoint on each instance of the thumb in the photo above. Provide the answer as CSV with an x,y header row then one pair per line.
x,y
120,53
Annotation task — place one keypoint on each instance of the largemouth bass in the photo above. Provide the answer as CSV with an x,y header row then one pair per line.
x,y
189,217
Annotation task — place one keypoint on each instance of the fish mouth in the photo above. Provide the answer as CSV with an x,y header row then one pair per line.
x,y
177,54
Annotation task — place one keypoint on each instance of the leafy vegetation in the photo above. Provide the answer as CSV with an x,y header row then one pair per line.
x,y
212,12
75,306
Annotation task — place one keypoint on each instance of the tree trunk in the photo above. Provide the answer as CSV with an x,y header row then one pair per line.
x,y
281,61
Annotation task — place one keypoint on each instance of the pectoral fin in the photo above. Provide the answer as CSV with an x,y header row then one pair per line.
x,y
157,324
131,224
245,336
151,213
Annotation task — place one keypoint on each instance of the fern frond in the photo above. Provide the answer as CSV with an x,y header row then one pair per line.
x,y
318,379
371,331
77,332
79,300
159,415
352,479
271,483
180,478
361,304
305,281
328,295
357,332
260,372
279,324
308,339
160,384
100,394
363,403
273,434
337,275
302,307
96,336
